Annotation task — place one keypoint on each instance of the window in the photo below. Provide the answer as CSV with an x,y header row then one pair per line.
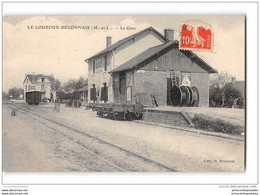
x,y
42,79
98,65
105,63
94,67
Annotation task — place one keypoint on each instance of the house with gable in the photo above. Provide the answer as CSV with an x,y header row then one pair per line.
x,y
141,63
39,82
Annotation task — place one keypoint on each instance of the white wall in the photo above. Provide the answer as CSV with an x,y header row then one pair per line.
x,y
135,48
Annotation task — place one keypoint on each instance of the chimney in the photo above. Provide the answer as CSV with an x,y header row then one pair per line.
x,y
168,34
109,41
233,79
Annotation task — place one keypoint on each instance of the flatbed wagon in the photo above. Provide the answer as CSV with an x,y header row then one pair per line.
x,y
118,111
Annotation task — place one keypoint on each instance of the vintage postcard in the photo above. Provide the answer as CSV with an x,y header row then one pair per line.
x,y
124,93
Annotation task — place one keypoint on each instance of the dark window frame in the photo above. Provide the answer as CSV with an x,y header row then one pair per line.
x,y
104,89
105,63
93,93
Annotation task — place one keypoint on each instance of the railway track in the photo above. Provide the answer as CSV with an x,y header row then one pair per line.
x,y
68,138
74,135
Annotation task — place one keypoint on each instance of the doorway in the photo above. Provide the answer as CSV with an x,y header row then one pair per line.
x,y
122,87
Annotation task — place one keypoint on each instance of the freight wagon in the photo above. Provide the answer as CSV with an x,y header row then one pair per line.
x,y
118,111
33,97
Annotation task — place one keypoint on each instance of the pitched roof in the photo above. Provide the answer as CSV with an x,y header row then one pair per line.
x,y
34,78
119,43
137,60
239,85
198,61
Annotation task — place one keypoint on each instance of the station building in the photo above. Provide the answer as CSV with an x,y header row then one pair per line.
x,y
142,63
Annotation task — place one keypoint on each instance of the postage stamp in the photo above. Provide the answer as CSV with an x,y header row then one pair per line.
x,y
196,36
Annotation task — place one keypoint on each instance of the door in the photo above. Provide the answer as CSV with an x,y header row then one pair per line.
x,y
116,88
122,88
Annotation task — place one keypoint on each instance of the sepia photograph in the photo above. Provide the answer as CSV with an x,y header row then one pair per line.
x,y
124,93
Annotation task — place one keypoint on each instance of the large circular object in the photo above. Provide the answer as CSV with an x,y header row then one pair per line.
x,y
196,96
191,95
185,93
175,96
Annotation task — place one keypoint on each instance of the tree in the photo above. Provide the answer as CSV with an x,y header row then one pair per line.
x,y
220,79
74,84
56,85
230,94
221,89
14,93
215,95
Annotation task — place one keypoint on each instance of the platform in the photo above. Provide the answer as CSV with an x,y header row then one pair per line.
x,y
232,115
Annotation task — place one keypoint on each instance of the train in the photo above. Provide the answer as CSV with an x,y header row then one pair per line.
x,y
33,97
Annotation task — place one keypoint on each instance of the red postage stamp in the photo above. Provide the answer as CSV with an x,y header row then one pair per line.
x,y
195,37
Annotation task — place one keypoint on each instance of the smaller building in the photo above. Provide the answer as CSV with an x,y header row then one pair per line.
x,y
240,86
39,82
82,95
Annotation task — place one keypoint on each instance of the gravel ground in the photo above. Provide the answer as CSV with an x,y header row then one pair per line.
x,y
33,148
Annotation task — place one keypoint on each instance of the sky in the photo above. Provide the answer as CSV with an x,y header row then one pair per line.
x,y
62,52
